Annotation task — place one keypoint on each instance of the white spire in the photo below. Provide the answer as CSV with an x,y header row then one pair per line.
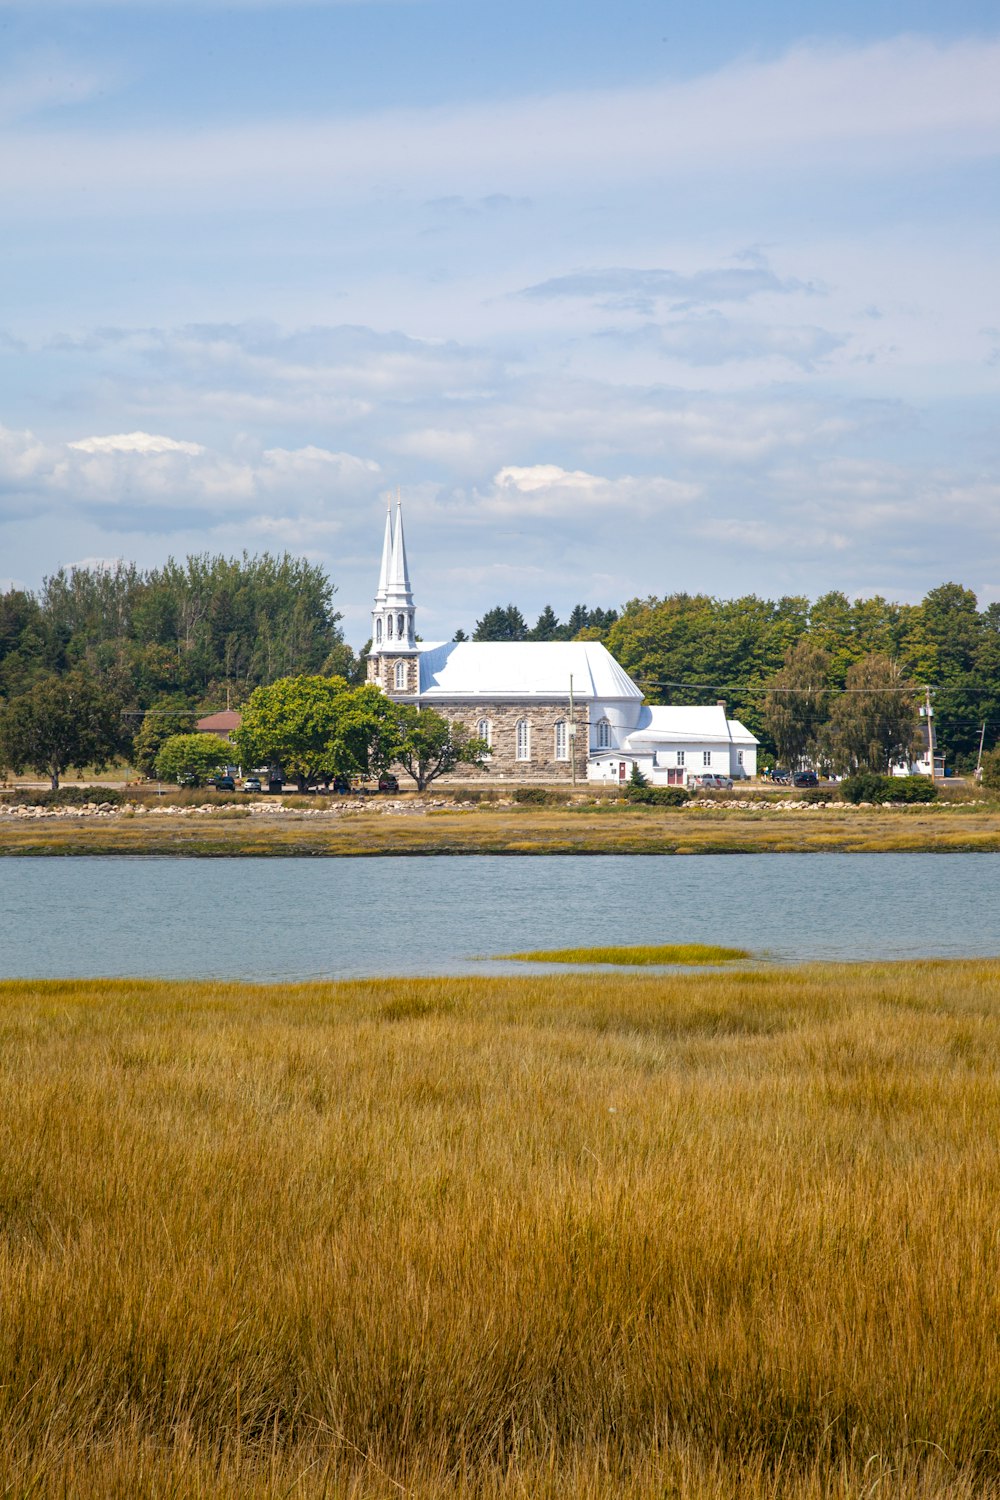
x,y
393,614
399,574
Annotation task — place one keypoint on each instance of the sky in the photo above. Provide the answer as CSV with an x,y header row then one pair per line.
x,y
622,299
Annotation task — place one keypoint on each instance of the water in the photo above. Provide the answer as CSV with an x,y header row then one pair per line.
x,y
299,919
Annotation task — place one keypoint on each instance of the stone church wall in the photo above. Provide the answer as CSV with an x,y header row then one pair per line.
x,y
542,718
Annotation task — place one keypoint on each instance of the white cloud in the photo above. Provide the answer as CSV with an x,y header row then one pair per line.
x,y
902,100
541,491
135,442
150,483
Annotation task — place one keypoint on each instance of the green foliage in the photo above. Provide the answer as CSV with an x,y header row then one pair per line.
x,y
192,758
66,796
62,722
636,778
657,796
871,787
429,747
991,770
533,796
167,716
874,721
293,723
797,703
502,623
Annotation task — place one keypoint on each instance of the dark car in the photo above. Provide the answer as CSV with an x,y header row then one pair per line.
x,y
387,782
224,784
780,776
341,785
805,778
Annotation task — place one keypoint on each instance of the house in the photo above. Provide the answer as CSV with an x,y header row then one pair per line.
x,y
223,724
548,710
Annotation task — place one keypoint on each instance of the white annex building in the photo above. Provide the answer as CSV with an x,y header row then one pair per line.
x,y
545,708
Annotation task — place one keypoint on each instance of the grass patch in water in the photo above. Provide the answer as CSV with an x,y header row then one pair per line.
x,y
644,954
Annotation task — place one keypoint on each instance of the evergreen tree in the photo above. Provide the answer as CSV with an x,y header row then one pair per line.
x,y
546,627
502,623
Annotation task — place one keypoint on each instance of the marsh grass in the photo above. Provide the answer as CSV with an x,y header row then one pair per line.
x,y
694,1235
637,956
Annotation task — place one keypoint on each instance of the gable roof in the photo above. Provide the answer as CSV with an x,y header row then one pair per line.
x,y
676,723
523,669
221,723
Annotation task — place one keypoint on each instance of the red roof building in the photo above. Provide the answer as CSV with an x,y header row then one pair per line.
x,y
223,723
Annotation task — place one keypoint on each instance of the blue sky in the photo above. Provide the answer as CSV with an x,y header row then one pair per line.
x,y
625,299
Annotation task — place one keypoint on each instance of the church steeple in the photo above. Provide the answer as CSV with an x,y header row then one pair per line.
x,y
393,628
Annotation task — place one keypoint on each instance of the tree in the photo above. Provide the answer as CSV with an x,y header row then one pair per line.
x,y
460,635
797,702
429,746
192,757
503,623
62,722
167,717
292,723
546,627
874,721
366,732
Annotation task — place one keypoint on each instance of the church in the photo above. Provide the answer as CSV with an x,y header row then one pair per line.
x,y
549,710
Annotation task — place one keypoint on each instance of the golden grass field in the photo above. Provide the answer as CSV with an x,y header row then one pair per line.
x,y
611,828
701,1235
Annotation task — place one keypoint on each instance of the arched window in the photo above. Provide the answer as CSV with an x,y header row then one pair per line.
x,y
400,676
523,740
388,627
604,734
484,732
561,741
399,627
378,632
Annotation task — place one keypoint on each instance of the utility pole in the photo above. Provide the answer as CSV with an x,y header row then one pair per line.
x,y
572,732
979,758
929,712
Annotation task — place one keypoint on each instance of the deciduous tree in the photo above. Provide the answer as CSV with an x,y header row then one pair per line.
x,y
797,703
875,720
192,758
429,746
61,722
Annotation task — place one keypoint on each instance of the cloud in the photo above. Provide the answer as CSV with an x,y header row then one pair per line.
x,y
141,482
545,491
713,339
622,287
135,442
905,100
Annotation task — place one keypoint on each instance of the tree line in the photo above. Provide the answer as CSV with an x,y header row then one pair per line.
x,y
693,648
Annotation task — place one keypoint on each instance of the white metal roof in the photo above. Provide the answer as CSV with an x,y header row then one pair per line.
x,y
676,723
523,669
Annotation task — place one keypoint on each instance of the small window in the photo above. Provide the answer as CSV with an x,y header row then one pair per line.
x,y
680,757
378,632
400,675
388,627
739,757
561,740
706,757
523,740
603,734
399,628
484,732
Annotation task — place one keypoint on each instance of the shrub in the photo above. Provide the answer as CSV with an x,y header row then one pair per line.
x,y
868,787
67,796
657,796
991,770
538,796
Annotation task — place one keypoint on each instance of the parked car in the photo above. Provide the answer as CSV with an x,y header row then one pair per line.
x,y
223,783
713,781
251,783
388,783
341,785
805,778
780,776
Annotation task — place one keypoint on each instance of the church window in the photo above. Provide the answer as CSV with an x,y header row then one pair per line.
x,y
484,732
378,632
399,627
603,734
706,757
388,627
561,740
400,676
523,740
